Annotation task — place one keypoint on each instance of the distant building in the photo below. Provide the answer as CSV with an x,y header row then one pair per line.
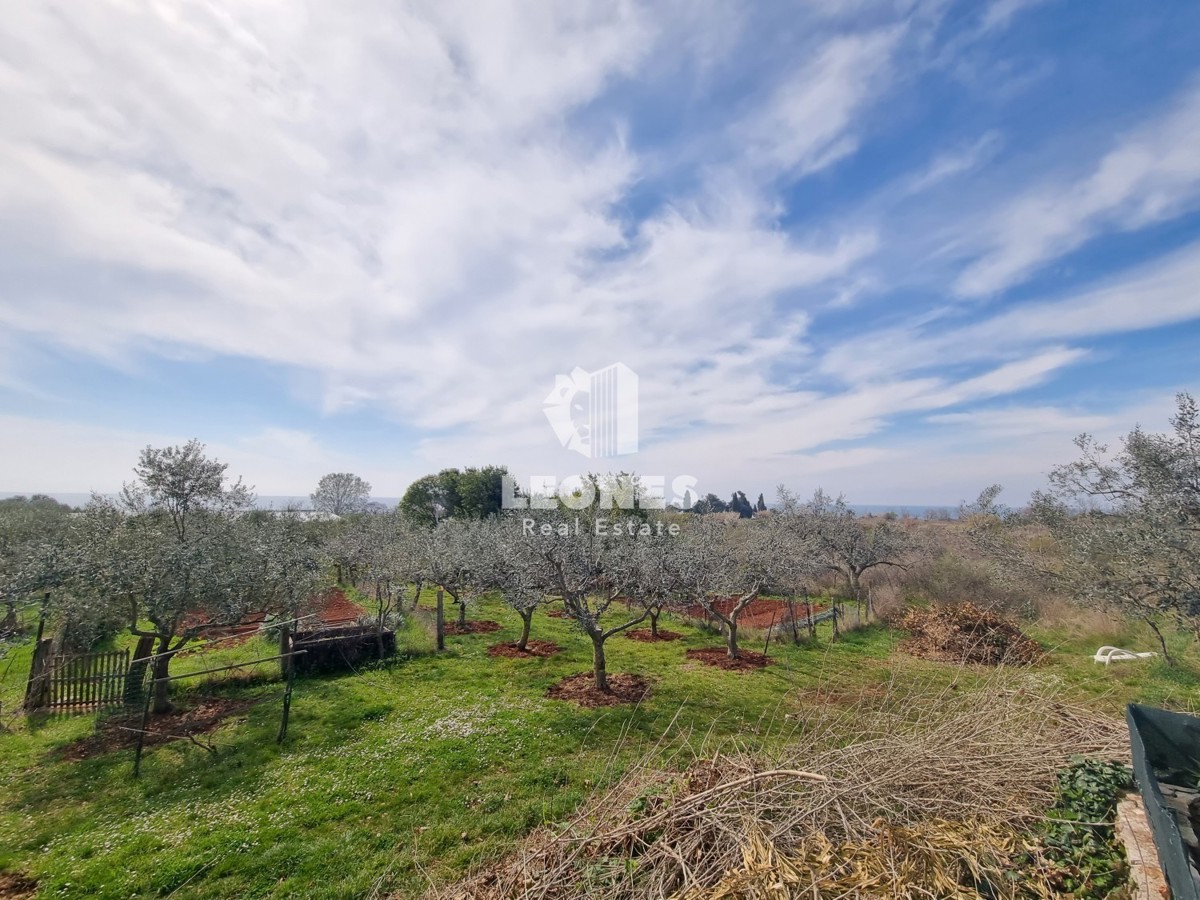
x,y
306,515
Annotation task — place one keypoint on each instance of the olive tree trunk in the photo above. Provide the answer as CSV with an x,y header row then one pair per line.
x,y
526,621
161,671
599,670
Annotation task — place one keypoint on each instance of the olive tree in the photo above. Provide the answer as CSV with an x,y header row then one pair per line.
x,y
451,555
658,576
171,552
286,565
795,565
587,560
844,543
505,568
726,567
1116,530
389,567
34,554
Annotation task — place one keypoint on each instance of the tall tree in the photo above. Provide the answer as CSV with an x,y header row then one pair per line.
x,y
471,493
33,534
341,493
843,542
431,498
710,503
568,555
1119,531
171,551
740,505
480,492
727,568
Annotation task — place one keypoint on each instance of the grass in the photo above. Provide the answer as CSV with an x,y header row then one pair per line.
x,y
411,772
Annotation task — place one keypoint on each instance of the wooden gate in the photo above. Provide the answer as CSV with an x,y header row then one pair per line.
x,y
89,680
78,681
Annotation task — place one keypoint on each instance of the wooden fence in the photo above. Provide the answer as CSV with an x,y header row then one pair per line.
x,y
77,681
89,680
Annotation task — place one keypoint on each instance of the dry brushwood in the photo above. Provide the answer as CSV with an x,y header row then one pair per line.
x,y
944,859
964,633
920,799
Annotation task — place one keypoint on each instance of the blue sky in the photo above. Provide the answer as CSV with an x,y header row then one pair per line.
x,y
900,250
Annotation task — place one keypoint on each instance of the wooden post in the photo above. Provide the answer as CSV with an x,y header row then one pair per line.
x,y
767,642
285,646
37,689
441,620
141,738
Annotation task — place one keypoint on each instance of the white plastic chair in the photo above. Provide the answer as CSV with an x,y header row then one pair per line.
x,y
1108,654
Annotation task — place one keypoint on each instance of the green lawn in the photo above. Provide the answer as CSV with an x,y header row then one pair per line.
x,y
411,772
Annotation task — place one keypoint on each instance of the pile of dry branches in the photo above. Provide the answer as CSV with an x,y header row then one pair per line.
x,y
894,800
964,633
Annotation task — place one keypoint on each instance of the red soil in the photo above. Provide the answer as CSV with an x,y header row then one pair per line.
x,y
336,609
747,660
482,627
557,614
332,609
16,887
532,648
581,689
646,636
180,724
759,614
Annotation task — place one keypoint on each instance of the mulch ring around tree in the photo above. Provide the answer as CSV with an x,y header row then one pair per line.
x,y
483,627
647,636
557,614
581,689
747,660
16,887
532,648
120,732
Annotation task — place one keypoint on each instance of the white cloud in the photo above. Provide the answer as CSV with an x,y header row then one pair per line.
x,y
1025,421
393,197
42,455
948,165
999,13
1151,174
1161,292
808,122
430,209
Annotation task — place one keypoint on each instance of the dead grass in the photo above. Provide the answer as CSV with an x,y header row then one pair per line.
x,y
898,799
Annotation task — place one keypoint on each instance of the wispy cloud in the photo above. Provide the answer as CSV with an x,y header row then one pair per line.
x,y
1159,293
807,122
420,213
1150,175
